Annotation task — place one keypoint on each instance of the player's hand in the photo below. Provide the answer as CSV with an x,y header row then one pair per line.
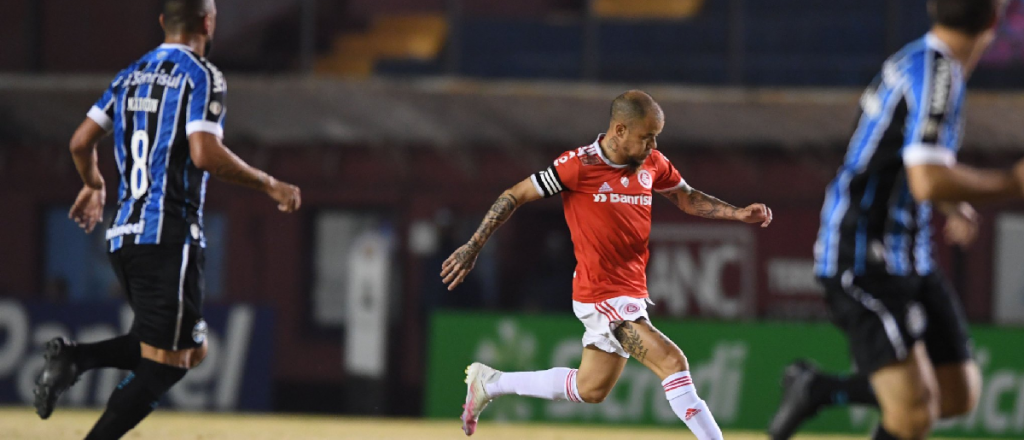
x,y
962,225
88,208
756,213
458,265
287,196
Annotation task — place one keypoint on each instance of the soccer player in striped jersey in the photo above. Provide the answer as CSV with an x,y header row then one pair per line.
x,y
607,189
166,113
906,328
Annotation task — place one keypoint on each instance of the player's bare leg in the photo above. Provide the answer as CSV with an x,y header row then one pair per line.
x,y
959,388
598,373
591,383
908,394
137,395
662,356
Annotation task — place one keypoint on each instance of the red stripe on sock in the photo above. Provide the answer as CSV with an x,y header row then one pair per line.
x,y
675,381
568,391
568,386
677,387
678,383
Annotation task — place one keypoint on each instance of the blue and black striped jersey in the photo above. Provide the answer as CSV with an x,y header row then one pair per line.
x,y
152,107
910,115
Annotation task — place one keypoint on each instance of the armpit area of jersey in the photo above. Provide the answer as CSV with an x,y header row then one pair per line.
x,y
547,182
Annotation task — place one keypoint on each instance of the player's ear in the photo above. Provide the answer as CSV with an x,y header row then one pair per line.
x,y
620,129
162,23
209,23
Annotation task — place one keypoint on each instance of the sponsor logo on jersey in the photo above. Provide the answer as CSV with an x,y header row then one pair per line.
x,y
148,105
943,78
931,129
158,78
624,181
126,229
640,199
219,85
645,179
605,188
216,108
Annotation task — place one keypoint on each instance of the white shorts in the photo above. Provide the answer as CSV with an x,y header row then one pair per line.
x,y
601,319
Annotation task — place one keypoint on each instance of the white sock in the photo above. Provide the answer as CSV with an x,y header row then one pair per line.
x,y
682,396
554,384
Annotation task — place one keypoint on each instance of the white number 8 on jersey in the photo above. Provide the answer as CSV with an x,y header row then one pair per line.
x,y
139,177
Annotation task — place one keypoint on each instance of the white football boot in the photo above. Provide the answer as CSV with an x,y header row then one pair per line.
x,y
477,375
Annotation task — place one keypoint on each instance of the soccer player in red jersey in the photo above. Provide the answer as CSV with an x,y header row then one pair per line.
x,y
607,189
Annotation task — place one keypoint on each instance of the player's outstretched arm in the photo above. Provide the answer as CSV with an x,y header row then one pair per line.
x,y
210,154
961,183
88,208
458,265
695,202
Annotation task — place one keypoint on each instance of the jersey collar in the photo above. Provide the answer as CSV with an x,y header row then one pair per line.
x,y
175,46
597,146
935,43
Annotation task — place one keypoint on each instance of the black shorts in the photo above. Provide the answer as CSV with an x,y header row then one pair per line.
x,y
883,316
164,285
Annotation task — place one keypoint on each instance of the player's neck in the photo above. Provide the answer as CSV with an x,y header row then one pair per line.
x,y
966,49
194,42
611,151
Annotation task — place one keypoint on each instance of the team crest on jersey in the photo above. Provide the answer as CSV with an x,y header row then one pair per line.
x,y
644,177
624,181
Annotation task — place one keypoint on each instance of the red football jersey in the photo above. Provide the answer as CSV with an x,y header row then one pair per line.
x,y
608,209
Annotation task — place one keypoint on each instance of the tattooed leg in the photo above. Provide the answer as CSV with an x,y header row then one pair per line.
x,y
631,341
653,349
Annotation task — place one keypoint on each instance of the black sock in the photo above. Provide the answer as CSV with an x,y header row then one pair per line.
x,y
882,434
843,390
135,397
122,352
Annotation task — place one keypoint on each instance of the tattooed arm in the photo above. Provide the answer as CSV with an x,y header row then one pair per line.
x,y
458,265
209,153
695,202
